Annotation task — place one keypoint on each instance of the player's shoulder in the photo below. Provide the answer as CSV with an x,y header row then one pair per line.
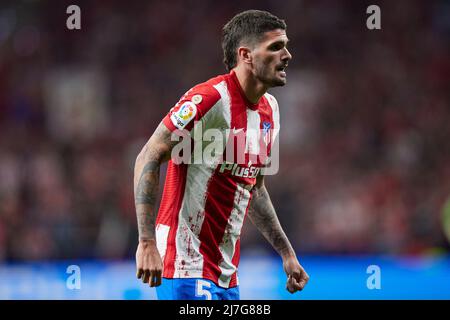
x,y
205,93
195,103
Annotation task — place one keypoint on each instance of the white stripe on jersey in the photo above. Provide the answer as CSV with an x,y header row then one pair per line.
x,y
253,132
231,235
226,103
162,232
275,114
188,260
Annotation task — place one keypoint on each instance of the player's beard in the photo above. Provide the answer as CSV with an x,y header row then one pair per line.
x,y
269,75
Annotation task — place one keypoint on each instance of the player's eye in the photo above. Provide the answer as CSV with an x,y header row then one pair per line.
x,y
276,46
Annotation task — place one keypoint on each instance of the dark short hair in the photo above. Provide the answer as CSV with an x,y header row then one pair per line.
x,y
246,27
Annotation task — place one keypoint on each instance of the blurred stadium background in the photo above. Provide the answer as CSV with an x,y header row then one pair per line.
x,y
365,161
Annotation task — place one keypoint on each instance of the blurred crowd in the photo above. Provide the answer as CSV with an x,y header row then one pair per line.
x,y
365,139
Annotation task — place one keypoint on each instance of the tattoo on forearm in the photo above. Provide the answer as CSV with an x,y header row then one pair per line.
x,y
148,184
263,216
146,198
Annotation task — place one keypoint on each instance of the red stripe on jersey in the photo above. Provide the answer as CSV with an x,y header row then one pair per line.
x,y
218,206
239,103
171,201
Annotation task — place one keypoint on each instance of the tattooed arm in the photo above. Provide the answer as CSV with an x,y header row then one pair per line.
x,y
263,216
146,182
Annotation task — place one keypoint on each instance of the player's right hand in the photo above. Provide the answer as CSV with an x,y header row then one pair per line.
x,y
148,263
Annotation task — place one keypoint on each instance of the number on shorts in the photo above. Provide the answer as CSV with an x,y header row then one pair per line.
x,y
200,290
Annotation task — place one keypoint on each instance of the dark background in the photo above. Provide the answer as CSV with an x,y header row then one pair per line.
x,y
365,161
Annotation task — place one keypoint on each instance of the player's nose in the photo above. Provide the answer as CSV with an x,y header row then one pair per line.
x,y
286,55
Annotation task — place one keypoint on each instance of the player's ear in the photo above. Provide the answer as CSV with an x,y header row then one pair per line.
x,y
244,54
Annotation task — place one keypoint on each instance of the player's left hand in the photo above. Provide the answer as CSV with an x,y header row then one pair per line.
x,y
297,276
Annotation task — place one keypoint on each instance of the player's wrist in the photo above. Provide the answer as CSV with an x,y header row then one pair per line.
x,y
147,241
288,255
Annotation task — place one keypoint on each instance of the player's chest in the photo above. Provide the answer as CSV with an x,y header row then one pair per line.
x,y
246,119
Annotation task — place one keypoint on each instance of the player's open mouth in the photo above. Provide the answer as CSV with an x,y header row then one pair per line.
x,y
282,70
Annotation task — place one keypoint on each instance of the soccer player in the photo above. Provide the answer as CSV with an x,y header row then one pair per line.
x,y
190,249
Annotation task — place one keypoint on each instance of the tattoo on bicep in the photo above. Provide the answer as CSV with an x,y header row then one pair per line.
x,y
166,143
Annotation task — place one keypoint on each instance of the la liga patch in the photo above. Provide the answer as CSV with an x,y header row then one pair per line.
x,y
184,114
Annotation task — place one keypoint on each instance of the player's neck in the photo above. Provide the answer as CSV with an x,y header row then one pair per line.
x,y
253,89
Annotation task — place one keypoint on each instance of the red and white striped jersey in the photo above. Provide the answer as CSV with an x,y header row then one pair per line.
x,y
204,205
